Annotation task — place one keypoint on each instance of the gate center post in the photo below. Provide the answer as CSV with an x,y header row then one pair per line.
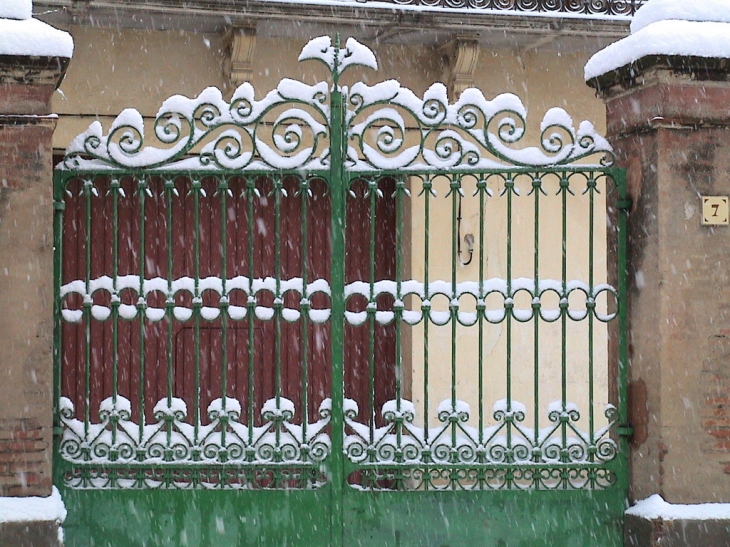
x,y
338,189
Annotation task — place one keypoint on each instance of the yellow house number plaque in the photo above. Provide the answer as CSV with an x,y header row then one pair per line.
x,y
715,210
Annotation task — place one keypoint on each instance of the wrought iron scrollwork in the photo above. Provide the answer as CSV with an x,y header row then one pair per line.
x,y
576,7
386,127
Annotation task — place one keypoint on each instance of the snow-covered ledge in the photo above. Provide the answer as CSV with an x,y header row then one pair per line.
x,y
653,523
20,34
655,507
46,515
34,57
667,32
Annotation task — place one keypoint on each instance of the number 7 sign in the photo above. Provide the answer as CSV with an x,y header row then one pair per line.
x,y
715,211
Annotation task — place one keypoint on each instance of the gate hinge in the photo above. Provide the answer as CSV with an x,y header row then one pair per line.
x,y
624,204
59,205
625,431
57,431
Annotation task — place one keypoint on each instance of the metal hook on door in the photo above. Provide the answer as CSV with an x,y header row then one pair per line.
x,y
468,240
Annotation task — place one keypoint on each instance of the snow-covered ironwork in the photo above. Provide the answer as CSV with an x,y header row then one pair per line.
x,y
386,127
527,454
270,294
170,441
565,7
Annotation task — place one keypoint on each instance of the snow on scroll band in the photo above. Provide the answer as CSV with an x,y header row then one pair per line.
x,y
116,438
576,309
387,126
453,441
472,133
250,290
206,132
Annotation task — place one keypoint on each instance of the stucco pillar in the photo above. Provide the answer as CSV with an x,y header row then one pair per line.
x,y
26,282
669,121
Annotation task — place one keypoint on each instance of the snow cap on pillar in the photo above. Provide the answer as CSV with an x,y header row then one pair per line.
x,y
669,28
20,34
16,9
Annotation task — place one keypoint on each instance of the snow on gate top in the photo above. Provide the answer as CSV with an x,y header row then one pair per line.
x,y
669,27
291,126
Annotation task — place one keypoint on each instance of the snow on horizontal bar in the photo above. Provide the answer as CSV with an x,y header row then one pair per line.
x,y
399,441
171,440
480,291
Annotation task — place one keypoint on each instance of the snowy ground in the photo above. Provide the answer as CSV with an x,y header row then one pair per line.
x,y
655,507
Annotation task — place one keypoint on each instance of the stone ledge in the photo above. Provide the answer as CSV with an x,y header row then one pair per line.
x,y
642,532
642,71
31,70
662,97
30,534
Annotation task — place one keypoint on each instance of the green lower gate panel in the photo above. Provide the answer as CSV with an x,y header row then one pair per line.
x,y
490,519
196,518
205,518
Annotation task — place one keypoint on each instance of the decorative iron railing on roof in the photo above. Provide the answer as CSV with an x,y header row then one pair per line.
x,y
575,7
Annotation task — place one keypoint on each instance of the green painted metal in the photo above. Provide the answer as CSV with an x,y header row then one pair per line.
x,y
390,475
339,219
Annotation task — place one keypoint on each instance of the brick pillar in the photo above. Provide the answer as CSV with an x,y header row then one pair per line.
x,y
26,273
669,121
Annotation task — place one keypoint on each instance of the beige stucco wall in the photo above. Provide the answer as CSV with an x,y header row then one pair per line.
x,y
115,69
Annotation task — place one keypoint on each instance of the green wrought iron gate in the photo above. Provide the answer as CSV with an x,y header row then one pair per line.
x,y
340,315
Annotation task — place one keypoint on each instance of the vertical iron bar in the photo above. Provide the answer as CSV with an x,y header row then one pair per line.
x,y
400,191
278,191
223,190
536,189
197,303
339,185
251,312
564,186
509,188
170,301
619,176
482,190
88,189
141,303
589,310
371,310
425,309
304,308
454,303
59,205
114,191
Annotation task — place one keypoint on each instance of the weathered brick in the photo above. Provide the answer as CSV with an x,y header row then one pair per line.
x,y
26,86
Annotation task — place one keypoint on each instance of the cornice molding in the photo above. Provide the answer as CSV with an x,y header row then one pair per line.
x,y
240,47
462,58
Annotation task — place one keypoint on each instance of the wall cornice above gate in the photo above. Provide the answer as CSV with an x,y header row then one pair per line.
x,y
386,127
411,22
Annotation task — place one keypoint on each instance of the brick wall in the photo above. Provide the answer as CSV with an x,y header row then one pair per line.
x,y
716,404
26,273
24,458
